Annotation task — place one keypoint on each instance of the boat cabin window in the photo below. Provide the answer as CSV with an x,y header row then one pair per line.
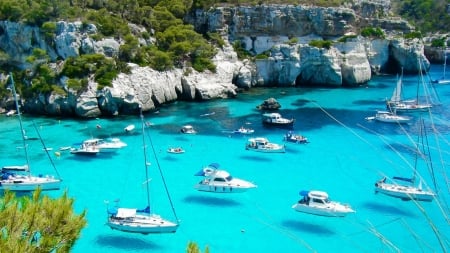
x,y
229,178
320,201
219,179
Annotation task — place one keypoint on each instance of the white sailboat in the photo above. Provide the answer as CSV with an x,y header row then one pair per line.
x,y
443,79
398,104
143,221
403,191
21,180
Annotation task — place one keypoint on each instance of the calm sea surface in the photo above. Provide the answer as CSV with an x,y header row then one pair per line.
x,y
345,156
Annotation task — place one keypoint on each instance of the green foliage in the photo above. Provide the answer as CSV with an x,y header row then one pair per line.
x,y
216,39
39,223
162,19
75,84
103,69
344,38
193,248
321,43
156,58
109,25
413,35
178,8
263,55
293,41
439,42
49,29
240,50
371,32
426,15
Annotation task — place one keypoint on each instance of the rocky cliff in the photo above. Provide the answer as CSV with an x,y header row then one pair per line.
x,y
280,33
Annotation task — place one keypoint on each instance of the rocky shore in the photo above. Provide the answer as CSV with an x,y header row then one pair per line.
x,y
280,33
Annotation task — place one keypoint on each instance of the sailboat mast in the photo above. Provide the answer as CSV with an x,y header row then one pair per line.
x,y
445,63
20,122
145,158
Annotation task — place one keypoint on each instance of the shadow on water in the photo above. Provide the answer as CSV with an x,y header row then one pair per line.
x,y
376,103
256,158
126,243
307,227
208,200
388,209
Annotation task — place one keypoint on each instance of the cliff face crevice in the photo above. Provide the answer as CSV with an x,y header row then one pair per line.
x,y
281,32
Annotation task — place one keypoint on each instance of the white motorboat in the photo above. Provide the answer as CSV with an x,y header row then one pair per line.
x,y
105,145
318,203
243,130
389,117
220,181
295,138
129,128
11,113
85,150
404,192
262,144
19,178
275,119
177,150
188,129
144,221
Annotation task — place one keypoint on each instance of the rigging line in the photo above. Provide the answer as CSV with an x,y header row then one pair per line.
x,y
159,167
437,134
340,123
382,138
20,122
145,159
45,149
428,159
416,237
275,227
415,201
377,226
383,239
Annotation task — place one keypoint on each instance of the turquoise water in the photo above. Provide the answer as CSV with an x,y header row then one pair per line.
x,y
345,156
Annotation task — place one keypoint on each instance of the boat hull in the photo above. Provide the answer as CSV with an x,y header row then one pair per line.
x,y
85,152
322,211
221,188
393,120
404,192
267,150
143,224
279,125
30,184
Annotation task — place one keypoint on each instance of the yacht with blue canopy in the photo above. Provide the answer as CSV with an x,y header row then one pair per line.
x,y
220,181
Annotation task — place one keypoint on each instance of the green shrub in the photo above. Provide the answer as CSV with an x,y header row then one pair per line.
x,y
413,35
438,42
321,43
371,32
344,38
49,29
293,41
